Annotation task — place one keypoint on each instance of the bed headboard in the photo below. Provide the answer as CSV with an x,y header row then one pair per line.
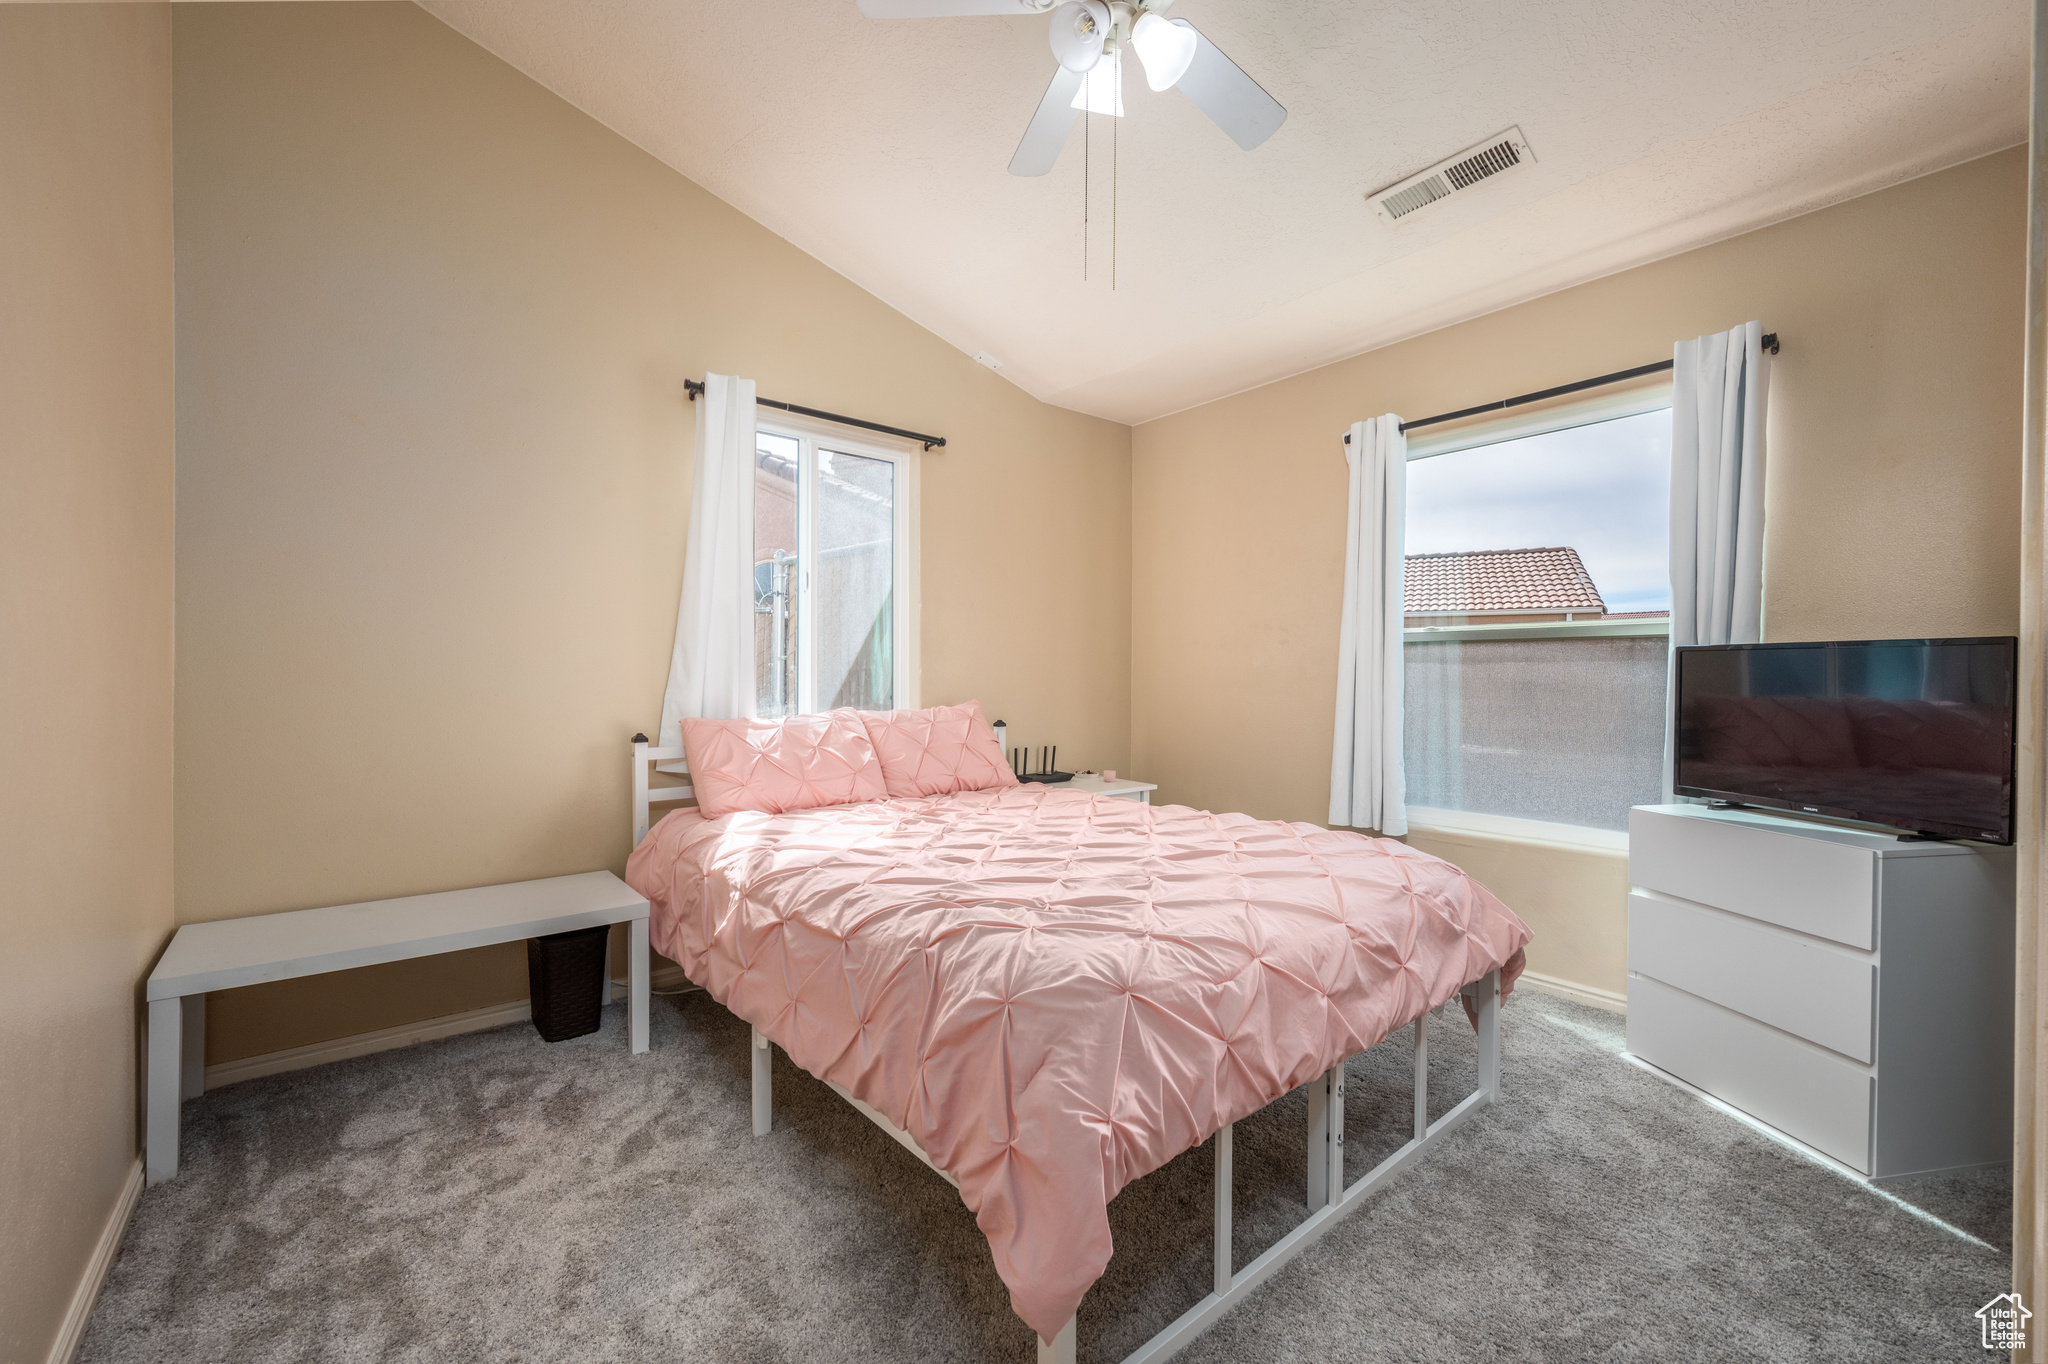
x,y
645,755
644,794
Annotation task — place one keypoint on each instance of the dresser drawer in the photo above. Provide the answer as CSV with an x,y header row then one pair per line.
x,y
1805,1092
1818,887
1822,994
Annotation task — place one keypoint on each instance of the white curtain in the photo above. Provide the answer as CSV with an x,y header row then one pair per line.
x,y
711,673
1368,786
1719,384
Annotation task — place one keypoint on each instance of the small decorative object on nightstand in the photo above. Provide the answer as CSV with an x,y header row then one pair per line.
x,y
1109,774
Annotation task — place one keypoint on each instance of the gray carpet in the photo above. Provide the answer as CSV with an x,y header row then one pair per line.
x,y
492,1197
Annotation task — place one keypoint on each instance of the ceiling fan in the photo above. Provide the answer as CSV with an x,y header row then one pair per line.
x,y
1084,32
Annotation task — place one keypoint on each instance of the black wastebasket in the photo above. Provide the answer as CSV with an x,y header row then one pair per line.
x,y
565,973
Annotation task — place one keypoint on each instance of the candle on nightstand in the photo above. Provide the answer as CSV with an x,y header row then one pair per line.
x,y
1108,775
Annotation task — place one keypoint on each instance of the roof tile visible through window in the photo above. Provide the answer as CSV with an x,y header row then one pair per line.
x,y
1547,579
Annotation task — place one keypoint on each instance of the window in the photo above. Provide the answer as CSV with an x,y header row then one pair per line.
x,y
832,573
1538,613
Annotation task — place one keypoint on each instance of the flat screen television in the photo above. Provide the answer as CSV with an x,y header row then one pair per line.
x,y
1912,733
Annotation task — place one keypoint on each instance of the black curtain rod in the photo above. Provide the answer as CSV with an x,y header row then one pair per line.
x,y
693,388
1770,343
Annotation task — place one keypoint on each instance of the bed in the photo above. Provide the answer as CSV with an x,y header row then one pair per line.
x,y
1046,994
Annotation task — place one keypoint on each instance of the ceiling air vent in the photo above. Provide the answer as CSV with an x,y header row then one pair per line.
x,y
1496,156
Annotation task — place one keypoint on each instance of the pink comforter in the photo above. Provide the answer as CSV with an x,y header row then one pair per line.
x,y
1056,993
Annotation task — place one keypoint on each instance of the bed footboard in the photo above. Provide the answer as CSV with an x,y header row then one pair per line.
x,y
1329,1197
764,1083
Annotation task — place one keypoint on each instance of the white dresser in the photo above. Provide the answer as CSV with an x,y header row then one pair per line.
x,y
1851,989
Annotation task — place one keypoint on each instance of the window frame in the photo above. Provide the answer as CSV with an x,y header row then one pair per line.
x,y
1538,629
1541,420
811,434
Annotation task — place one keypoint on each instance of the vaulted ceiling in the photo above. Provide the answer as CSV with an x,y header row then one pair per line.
x,y
881,148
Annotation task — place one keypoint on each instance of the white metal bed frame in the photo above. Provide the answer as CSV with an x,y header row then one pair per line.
x,y
1329,1197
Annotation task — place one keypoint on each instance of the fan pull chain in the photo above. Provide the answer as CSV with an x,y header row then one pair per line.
x,y
1087,121
1118,95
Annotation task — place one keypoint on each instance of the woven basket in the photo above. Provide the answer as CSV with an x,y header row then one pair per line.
x,y
565,972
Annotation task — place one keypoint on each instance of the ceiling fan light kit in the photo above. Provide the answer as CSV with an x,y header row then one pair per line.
x,y
1165,50
1080,29
1102,89
1173,52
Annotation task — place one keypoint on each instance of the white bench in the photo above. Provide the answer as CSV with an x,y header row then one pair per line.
x,y
308,942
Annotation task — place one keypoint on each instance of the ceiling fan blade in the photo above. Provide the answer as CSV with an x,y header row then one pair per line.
x,y
1049,126
941,9
1233,100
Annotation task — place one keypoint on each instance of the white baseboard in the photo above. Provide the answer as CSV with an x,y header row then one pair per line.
x,y
365,1043
404,1035
65,1349
1572,990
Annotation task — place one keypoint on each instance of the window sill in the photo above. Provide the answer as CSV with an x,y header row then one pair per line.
x,y
1540,629
1508,829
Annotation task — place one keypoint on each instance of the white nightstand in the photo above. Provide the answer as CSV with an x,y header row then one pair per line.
x,y
1140,791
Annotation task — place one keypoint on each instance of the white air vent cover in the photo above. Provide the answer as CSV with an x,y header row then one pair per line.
x,y
1496,156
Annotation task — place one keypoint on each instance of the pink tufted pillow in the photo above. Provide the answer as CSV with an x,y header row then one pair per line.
x,y
779,765
937,751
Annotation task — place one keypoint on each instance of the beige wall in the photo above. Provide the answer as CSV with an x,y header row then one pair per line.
x,y
1892,494
1575,901
433,466
85,623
